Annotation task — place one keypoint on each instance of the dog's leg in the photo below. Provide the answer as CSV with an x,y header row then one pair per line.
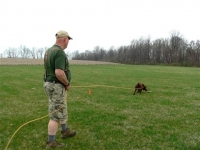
x,y
134,91
140,91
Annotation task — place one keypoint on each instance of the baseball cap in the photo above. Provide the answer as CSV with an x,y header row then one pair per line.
x,y
62,33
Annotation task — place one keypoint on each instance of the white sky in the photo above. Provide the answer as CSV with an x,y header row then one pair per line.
x,y
105,23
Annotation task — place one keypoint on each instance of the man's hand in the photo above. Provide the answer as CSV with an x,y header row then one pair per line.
x,y
67,87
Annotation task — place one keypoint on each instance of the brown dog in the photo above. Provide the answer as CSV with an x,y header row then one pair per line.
x,y
139,87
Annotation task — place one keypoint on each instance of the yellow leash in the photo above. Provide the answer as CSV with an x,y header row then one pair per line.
x,y
102,86
21,127
33,121
58,109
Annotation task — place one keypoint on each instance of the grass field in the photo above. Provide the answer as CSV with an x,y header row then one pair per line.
x,y
111,118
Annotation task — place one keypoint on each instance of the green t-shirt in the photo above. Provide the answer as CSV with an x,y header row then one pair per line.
x,y
55,58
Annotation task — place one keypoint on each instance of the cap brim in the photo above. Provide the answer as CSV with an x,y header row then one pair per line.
x,y
70,38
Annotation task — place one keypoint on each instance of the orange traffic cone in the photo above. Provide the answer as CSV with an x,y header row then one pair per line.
x,y
89,91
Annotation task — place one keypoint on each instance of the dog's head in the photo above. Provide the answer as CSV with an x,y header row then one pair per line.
x,y
144,87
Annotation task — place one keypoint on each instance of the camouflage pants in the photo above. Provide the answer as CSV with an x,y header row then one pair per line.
x,y
57,102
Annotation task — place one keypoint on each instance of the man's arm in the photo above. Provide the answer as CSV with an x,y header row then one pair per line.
x,y
60,74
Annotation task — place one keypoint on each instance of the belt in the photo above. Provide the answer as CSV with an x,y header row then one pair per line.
x,y
55,82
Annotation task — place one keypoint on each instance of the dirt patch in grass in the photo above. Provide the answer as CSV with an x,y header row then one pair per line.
x,y
21,61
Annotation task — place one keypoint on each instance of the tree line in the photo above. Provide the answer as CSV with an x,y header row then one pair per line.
x,y
23,52
172,51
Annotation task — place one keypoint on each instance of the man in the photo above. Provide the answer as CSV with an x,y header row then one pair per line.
x,y
57,82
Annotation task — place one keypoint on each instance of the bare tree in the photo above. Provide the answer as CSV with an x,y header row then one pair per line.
x,y
40,53
33,52
198,52
24,52
176,43
11,53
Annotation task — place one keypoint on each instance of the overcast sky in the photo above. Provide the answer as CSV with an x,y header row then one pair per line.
x,y
105,23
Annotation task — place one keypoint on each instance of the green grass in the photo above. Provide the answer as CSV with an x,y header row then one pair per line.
x,y
168,118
